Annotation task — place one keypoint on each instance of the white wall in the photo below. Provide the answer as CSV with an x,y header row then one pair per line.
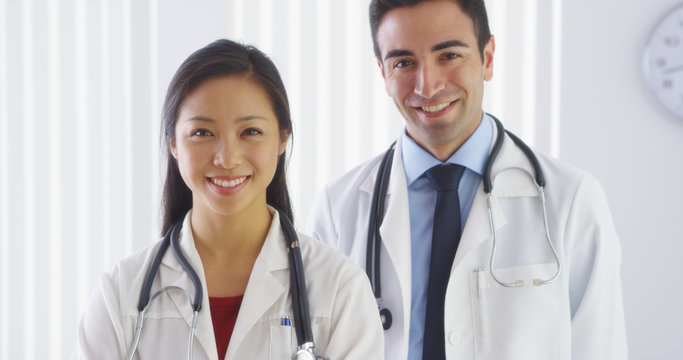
x,y
81,85
613,127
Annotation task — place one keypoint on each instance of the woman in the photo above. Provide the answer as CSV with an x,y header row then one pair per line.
x,y
225,128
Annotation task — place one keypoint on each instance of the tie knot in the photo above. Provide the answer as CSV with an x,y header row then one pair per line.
x,y
445,176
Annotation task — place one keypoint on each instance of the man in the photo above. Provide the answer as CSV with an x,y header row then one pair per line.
x,y
435,256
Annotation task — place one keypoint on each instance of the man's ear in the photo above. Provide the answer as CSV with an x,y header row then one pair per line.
x,y
489,49
384,77
381,68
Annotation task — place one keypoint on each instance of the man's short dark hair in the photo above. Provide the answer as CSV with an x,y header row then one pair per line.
x,y
475,9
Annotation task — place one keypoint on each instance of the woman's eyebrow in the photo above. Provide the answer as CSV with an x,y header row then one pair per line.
x,y
201,118
239,119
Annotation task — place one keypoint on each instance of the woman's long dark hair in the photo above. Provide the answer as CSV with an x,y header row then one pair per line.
x,y
220,58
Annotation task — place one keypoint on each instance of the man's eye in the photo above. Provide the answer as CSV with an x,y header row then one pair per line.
x,y
450,56
402,63
252,131
201,132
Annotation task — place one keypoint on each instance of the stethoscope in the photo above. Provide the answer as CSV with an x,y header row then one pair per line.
x,y
372,261
299,294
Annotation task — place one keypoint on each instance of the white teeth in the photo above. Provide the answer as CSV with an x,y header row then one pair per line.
x,y
229,183
435,108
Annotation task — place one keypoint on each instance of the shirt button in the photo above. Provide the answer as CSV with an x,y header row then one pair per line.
x,y
454,337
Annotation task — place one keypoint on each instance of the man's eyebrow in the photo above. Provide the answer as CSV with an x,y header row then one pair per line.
x,y
447,44
397,53
437,47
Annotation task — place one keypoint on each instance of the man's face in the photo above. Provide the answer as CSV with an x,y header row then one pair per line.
x,y
433,70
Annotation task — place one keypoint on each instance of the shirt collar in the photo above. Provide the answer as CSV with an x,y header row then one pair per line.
x,y
472,154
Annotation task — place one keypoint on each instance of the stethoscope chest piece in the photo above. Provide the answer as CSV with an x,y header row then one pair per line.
x,y
385,316
303,355
305,352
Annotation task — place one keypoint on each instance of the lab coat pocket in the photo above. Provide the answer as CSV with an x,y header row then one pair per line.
x,y
516,323
282,341
321,333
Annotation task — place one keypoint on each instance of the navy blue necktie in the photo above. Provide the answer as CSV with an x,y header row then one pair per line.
x,y
445,239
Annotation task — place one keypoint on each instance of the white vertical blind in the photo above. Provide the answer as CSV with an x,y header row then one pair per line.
x,y
323,58
494,90
4,188
81,87
105,143
292,70
529,71
82,154
155,113
29,179
54,220
556,77
127,121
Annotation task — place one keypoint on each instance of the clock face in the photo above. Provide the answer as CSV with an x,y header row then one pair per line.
x,y
663,61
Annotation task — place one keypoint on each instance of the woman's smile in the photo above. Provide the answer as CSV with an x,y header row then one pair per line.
x,y
228,185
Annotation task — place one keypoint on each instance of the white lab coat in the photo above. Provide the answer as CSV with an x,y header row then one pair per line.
x,y
343,311
579,316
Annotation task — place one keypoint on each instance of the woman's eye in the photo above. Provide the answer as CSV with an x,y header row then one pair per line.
x,y
252,131
201,132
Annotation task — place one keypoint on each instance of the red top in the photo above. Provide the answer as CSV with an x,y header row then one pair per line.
x,y
224,312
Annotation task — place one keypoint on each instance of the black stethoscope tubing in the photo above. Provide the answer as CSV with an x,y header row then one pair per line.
x,y
539,178
298,290
372,258
298,283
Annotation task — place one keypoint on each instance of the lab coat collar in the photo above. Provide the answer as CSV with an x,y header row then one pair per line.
x,y
368,185
263,288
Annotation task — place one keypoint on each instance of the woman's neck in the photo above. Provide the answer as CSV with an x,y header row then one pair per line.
x,y
230,235
229,246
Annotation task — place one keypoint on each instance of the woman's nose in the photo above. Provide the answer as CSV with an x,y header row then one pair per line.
x,y
227,155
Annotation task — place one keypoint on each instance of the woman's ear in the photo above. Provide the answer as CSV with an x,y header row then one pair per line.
x,y
284,136
174,149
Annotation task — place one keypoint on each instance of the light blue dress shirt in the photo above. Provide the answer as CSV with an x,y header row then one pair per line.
x,y
422,199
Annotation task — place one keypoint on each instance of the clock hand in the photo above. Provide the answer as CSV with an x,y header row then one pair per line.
x,y
673,70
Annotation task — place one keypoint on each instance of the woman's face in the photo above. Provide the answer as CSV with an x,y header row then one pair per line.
x,y
227,142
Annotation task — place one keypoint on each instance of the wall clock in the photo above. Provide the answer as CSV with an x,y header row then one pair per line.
x,y
663,61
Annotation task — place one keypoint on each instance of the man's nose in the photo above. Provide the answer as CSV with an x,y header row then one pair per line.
x,y
429,80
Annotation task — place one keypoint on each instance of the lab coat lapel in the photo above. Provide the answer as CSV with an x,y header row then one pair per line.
x,y
395,229
263,288
510,164
173,274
